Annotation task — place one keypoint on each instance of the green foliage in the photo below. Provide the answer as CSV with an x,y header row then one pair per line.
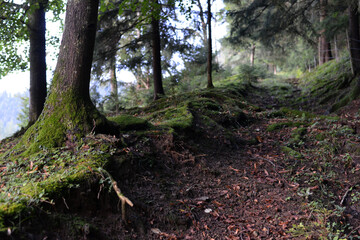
x,y
251,74
23,116
14,32
320,225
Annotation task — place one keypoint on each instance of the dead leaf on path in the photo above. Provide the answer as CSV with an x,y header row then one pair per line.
x,y
156,230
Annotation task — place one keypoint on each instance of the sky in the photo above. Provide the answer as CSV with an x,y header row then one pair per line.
x,y
18,82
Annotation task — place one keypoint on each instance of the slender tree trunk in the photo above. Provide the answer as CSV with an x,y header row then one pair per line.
x,y
354,37
114,84
37,57
209,58
323,47
68,113
336,49
252,54
156,48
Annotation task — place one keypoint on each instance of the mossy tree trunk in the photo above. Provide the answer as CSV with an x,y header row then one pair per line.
x,y
68,112
36,28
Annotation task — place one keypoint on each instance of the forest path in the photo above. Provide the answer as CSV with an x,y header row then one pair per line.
x,y
237,192
293,175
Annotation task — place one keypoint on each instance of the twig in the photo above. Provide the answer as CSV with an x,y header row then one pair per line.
x,y
346,193
65,203
352,232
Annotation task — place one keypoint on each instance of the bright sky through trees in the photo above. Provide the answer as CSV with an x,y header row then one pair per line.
x,y
18,82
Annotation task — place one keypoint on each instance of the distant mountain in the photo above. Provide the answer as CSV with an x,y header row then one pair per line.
x,y
10,108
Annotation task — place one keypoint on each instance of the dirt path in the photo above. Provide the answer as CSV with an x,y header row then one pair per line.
x,y
236,192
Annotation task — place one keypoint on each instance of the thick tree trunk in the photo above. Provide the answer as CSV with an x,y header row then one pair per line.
x,y
354,37
37,57
156,62
209,49
69,113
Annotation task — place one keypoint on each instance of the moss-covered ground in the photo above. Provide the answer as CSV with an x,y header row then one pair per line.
x,y
239,161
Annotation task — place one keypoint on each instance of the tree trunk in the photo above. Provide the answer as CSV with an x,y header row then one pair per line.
x,y
36,28
114,84
156,48
252,54
323,45
69,113
209,49
336,49
328,55
354,37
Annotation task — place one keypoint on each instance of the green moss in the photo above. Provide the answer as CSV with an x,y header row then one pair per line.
x,y
128,122
304,115
179,118
331,84
291,152
281,125
45,175
346,99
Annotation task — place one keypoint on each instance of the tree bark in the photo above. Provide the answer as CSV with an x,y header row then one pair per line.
x,y
37,28
114,84
324,46
336,49
156,48
354,37
209,49
69,113
252,54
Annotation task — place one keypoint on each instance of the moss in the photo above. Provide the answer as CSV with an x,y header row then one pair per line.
x,y
277,126
178,118
291,152
128,122
46,174
327,83
347,98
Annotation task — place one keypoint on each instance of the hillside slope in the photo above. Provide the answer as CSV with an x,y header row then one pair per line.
x,y
227,163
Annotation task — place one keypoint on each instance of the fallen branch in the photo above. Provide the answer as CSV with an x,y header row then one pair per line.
x,y
346,193
122,198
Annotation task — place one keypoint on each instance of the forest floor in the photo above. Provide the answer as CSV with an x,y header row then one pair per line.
x,y
285,174
294,175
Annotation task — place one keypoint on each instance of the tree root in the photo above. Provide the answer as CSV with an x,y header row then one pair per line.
x,y
124,200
